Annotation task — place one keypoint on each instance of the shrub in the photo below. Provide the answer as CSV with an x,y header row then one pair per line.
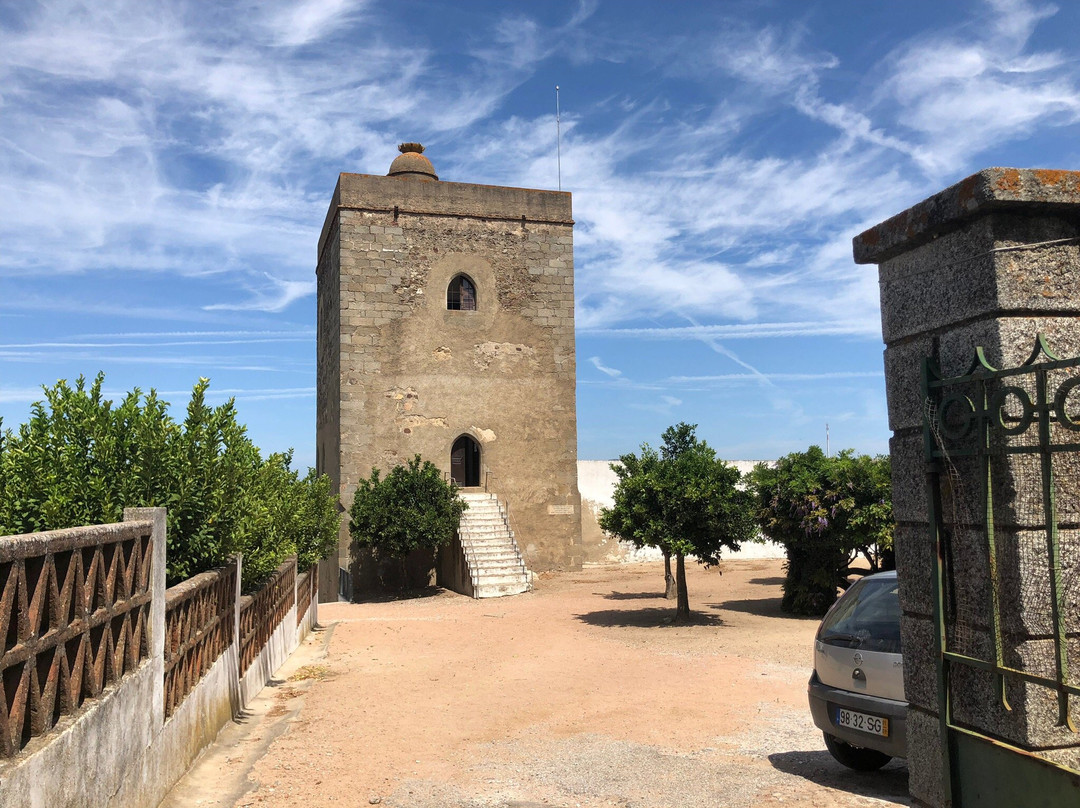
x,y
81,460
826,511
412,508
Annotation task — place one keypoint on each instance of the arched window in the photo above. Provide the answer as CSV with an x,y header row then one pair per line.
x,y
461,294
465,462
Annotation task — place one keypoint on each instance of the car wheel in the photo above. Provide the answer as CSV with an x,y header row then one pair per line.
x,y
855,757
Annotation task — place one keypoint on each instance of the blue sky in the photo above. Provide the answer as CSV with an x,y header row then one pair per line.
x,y
166,168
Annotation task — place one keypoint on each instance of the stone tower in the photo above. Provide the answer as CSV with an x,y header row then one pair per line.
x,y
446,329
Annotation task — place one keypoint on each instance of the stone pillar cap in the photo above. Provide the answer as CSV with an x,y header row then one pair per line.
x,y
990,189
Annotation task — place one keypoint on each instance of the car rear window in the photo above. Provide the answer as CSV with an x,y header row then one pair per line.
x,y
867,617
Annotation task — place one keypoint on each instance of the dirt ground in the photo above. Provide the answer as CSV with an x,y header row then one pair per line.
x,y
579,693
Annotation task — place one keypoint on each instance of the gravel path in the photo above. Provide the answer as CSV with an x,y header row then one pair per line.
x,y
580,693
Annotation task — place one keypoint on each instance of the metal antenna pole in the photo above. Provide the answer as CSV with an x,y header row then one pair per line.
x,y
558,135
827,454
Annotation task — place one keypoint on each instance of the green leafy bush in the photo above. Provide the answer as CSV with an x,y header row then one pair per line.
x,y
411,508
825,511
80,460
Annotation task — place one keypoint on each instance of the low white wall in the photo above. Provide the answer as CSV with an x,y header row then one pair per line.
x,y
282,642
596,483
120,752
87,762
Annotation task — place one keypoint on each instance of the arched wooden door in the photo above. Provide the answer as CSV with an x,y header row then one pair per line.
x,y
465,462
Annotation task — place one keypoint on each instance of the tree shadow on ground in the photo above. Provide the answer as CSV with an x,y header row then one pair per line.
x,y
889,784
403,594
631,595
776,580
763,607
653,617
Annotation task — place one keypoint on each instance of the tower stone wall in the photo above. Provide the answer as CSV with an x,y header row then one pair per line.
x,y
400,374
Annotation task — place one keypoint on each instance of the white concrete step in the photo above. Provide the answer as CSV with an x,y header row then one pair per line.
x,y
490,568
484,513
503,579
483,530
489,591
487,536
494,554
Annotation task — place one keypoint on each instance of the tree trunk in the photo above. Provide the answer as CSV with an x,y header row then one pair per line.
x,y
670,589
682,611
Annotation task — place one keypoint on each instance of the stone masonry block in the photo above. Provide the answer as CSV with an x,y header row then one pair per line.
x,y
908,477
915,567
968,592
1045,277
992,190
1030,719
903,383
920,667
1024,582
1036,706
938,284
925,771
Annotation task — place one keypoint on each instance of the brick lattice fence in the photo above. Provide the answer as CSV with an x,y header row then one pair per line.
x,y
307,584
199,618
74,609
261,613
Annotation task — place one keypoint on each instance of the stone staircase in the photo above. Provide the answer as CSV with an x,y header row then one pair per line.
x,y
495,563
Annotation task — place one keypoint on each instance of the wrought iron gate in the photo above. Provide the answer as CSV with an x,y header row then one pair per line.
x,y
1003,461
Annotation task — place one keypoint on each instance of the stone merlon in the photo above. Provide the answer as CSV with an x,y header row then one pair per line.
x,y
992,189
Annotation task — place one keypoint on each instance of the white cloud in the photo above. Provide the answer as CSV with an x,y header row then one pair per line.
x,y
20,395
279,295
305,22
962,94
612,372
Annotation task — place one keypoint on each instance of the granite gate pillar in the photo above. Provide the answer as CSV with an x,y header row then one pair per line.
x,y
987,263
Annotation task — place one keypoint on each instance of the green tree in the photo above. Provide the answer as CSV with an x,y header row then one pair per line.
x,y
413,507
81,460
825,511
683,500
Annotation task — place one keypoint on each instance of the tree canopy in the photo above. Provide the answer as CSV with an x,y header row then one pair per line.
x,y
413,507
682,500
81,460
825,511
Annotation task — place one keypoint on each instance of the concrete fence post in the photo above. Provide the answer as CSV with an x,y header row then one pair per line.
x,y
989,262
157,604
234,682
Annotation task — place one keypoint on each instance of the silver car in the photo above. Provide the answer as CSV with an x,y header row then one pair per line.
x,y
857,688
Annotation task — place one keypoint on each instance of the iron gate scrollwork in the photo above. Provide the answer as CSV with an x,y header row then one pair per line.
x,y
1003,458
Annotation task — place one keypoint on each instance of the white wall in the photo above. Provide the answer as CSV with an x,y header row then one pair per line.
x,y
596,482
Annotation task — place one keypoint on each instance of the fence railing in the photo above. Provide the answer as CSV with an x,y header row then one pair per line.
x,y
261,613
74,615
142,677
199,624
307,584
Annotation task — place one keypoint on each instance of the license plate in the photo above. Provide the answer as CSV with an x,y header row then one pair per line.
x,y
872,724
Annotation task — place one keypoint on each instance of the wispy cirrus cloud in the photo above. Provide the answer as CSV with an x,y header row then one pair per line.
x,y
597,363
171,165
